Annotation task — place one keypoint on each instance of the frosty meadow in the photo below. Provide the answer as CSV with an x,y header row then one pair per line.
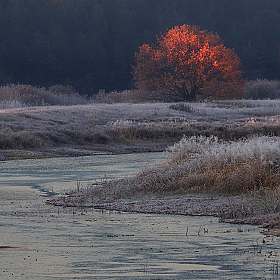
x,y
219,148
226,148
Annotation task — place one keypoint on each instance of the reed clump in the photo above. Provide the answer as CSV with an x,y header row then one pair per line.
x,y
207,164
234,167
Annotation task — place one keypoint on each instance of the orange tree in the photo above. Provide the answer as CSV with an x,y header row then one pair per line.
x,y
187,61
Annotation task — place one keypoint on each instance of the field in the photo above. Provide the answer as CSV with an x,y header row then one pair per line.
x,y
123,127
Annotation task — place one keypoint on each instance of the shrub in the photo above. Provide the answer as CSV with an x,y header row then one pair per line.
x,y
184,107
262,89
126,96
16,96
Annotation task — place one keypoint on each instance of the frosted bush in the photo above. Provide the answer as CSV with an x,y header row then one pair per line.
x,y
212,149
126,96
262,89
189,147
121,123
184,107
7,104
263,122
27,95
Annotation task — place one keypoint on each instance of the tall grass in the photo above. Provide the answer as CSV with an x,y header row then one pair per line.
x,y
236,167
200,164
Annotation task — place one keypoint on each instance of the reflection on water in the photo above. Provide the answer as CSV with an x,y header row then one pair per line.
x,y
39,241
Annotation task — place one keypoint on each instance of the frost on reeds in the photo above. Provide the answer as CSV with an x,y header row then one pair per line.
x,y
200,164
235,167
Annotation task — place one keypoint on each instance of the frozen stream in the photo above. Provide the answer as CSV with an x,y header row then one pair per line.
x,y
39,241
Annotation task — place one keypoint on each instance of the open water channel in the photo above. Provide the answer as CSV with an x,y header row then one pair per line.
x,y
40,241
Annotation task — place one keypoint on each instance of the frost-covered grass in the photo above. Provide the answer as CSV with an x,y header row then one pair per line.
x,y
228,147
142,127
242,176
200,163
234,167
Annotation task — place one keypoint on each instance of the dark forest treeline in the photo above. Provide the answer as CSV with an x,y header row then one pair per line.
x,y
90,44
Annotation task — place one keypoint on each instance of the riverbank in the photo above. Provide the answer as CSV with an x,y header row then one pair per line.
x,y
237,181
237,209
65,151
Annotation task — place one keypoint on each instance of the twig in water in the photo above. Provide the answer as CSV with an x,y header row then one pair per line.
x,y
275,267
78,185
205,230
146,267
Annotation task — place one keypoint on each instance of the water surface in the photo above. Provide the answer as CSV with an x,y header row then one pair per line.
x,y
39,241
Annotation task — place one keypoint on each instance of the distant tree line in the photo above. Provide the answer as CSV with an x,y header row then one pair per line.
x,y
90,44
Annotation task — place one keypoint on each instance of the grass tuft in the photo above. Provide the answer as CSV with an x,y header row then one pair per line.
x,y
206,164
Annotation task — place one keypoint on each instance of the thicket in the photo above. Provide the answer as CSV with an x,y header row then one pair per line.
x,y
262,89
17,96
90,44
206,164
21,95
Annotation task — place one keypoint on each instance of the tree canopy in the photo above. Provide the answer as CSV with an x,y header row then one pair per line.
x,y
188,61
90,44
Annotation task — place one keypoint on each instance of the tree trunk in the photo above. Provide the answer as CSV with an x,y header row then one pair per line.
x,y
190,95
